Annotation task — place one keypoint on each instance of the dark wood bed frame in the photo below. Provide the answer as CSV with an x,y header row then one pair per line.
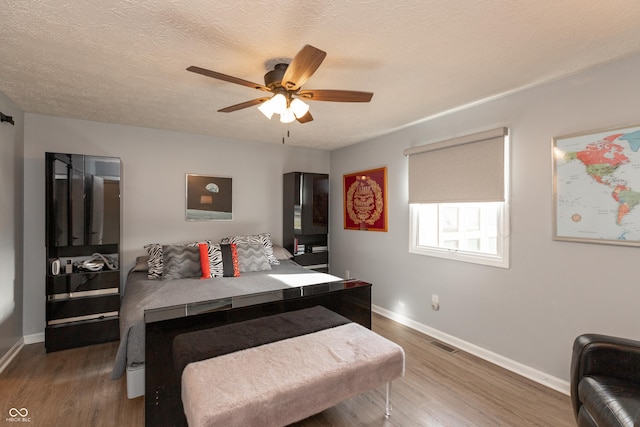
x,y
163,403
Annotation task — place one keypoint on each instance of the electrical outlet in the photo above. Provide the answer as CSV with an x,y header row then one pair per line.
x,y
347,275
435,302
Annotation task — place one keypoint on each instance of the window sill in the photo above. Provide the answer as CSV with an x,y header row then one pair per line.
x,y
455,255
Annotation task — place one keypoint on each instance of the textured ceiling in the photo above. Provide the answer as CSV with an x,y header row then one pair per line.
x,y
124,61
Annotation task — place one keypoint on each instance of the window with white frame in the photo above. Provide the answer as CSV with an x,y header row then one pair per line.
x,y
458,199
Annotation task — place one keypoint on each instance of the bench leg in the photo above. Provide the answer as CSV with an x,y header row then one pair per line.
x,y
387,409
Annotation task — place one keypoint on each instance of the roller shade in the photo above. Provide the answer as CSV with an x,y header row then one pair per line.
x,y
466,169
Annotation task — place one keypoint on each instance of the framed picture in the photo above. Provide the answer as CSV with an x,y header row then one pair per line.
x,y
208,198
596,187
365,200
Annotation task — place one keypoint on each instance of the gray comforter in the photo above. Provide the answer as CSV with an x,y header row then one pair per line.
x,y
142,294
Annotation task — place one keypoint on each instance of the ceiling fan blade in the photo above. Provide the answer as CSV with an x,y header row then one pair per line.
x,y
243,105
302,66
335,95
306,118
227,78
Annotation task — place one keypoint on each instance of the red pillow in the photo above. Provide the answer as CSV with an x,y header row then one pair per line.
x,y
204,260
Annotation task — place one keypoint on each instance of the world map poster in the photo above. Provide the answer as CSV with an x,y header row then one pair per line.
x,y
597,187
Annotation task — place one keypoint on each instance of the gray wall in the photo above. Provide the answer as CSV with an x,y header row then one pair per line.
x,y
553,291
154,164
11,149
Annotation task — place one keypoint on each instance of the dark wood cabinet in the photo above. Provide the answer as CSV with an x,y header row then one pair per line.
x,y
82,250
305,222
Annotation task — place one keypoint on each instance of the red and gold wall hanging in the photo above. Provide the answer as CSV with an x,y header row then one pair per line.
x,y
365,200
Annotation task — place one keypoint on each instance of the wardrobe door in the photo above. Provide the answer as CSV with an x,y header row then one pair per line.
x,y
83,250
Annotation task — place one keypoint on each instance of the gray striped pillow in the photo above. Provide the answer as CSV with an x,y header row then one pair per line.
x,y
181,262
156,262
263,238
252,257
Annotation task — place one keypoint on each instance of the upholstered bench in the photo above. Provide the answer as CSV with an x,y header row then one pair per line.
x,y
285,381
207,343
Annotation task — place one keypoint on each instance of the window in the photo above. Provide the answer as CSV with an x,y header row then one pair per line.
x,y
471,232
457,196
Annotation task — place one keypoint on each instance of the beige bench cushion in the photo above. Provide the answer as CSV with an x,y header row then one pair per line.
x,y
286,381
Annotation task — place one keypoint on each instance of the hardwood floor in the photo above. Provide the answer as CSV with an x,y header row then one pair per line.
x,y
73,388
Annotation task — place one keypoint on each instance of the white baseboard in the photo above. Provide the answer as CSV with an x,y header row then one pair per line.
x,y
34,338
526,371
13,352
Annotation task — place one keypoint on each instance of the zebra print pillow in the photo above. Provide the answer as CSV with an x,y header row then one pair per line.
x,y
223,260
264,239
155,260
215,260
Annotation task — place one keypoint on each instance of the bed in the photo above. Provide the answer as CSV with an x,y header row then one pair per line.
x,y
143,294
191,303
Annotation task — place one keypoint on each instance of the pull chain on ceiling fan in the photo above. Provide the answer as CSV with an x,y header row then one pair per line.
x,y
285,82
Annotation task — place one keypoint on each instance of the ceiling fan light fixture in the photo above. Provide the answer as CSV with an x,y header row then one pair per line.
x,y
299,107
266,108
276,105
279,102
287,116
285,82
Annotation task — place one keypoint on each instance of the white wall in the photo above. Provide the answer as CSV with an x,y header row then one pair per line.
x,y
553,291
154,165
11,149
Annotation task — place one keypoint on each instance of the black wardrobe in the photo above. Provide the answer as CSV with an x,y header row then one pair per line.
x,y
82,250
305,223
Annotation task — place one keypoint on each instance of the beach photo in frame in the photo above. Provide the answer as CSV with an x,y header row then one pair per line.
x,y
208,198
596,186
365,200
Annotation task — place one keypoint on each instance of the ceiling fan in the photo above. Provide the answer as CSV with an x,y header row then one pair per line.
x,y
285,82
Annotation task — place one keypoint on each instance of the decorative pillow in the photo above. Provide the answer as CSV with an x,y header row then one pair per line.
x,y
252,258
214,256
223,260
180,262
281,253
264,238
230,260
204,260
142,263
155,262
